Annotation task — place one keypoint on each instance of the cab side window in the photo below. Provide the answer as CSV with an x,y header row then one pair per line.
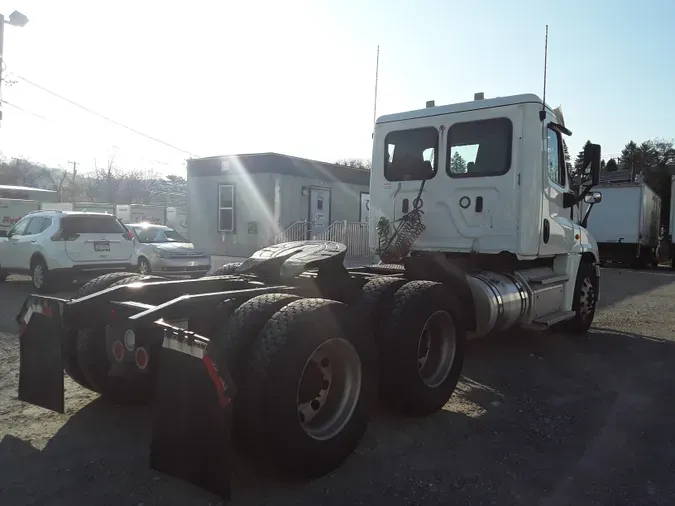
x,y
19,228
556,160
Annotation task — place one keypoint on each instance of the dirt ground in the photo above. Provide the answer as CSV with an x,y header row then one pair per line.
x,y
537,419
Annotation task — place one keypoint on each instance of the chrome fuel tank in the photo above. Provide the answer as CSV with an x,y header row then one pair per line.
x,y
500,299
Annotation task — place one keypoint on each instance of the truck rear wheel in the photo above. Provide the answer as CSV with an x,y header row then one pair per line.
x,y
136,387
237,335
377,297
98,284
426,339
309,386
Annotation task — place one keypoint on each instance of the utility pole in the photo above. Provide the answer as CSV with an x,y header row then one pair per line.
x,y
2,61
15,19
74,164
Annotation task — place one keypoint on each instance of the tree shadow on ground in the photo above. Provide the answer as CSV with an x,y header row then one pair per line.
x,y
536,419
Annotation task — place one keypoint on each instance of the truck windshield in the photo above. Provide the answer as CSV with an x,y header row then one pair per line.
x,y
411,155
157,235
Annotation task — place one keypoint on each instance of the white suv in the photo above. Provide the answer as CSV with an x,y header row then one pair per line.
x,y
55,246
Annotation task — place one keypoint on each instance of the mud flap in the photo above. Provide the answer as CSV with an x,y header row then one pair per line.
x,y
192,417
41,337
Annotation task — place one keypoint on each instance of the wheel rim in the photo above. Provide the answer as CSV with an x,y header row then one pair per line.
x,y
143,267
38,276
436,348
329,389
587,299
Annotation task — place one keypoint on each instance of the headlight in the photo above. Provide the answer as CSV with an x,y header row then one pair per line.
x,y
162,254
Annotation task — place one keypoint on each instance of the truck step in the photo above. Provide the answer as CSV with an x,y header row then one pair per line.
x,y
554,318
548,280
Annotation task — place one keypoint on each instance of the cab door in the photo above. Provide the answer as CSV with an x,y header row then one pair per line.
x,y
557,228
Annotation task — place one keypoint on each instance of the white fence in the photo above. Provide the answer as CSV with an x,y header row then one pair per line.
x,y
296,232
354,235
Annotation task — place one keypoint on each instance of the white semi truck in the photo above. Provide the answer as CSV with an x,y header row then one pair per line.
x,y
471,215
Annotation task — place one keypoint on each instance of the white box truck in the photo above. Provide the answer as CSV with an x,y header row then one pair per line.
x,y
626,225
139,213
92,207
176,218
12,210
668,241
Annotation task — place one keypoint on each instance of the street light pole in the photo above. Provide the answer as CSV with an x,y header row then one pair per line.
x,y
2,61
15,19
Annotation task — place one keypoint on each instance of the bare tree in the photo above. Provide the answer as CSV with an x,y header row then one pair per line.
x,y
139,186
359,163
104,182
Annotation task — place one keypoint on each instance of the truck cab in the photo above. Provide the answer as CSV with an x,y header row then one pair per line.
x,y
483,183
495,178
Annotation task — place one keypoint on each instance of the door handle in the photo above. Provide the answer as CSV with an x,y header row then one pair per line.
x,y
33,241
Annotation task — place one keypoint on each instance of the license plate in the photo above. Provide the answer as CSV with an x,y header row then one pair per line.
x,y
101,246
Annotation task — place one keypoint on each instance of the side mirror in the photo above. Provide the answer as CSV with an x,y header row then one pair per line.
x,y
592,157
593,198
3,233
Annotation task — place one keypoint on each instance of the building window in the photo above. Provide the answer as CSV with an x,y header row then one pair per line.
x,y
226,208
410,155
479,148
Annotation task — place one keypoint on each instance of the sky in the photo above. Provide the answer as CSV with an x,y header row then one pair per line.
x,y
297,77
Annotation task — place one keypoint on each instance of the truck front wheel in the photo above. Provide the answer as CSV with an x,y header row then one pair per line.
x,y
585,301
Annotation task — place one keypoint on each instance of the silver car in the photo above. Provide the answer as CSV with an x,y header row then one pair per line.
x,y
163,251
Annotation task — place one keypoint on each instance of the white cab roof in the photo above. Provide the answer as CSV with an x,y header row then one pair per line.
x,y
487,103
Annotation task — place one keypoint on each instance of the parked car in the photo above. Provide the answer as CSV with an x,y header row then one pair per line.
x,y
59,246
162,250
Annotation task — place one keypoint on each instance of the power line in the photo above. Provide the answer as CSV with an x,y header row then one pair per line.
x,y
137,132
26,111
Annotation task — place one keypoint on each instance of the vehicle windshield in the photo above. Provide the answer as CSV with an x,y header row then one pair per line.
x,y
157,235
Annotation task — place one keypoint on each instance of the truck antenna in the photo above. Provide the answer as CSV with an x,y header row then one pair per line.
x,y
377,70
542,113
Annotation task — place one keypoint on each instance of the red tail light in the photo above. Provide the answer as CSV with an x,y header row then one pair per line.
x,y
129,235
64,236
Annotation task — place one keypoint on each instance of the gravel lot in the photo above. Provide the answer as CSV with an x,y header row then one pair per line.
x,y
537,419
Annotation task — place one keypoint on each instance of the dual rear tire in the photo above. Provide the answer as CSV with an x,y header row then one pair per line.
x,y
87,359
308,370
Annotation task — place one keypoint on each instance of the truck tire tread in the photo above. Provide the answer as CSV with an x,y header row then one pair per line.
x,y
270,381
377,297
403,388
228,268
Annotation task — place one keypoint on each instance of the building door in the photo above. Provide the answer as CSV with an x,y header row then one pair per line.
x,y
364,212
319,209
